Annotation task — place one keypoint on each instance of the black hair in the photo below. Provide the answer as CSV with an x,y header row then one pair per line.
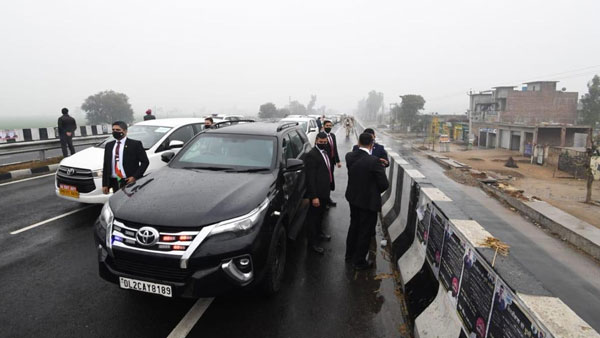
x,y
369,131
121,124
321,135
365,139
209,119
327,121
65,111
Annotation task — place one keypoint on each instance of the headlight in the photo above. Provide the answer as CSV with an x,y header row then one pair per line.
x,y
97,173
106,216
242,223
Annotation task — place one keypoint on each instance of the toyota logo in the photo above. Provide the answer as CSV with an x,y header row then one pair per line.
x,y
70,171
147,236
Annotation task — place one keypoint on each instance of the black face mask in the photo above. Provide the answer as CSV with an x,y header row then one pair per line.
x,y
322,146
117,135
327,130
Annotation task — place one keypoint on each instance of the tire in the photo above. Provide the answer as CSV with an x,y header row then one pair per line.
x,y
275,262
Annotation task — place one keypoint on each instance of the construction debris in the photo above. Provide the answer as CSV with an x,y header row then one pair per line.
x,y
511,163
497,245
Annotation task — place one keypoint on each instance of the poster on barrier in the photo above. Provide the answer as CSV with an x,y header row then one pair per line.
x,y
8,134
509,317
423,218
435,240
452,262
463,334
476,293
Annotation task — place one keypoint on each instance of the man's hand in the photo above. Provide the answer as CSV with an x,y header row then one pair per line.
x,y
315,202
105,190
339,164
130,180
69,133
384,162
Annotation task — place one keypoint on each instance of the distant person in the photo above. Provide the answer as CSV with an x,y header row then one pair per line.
x,y
66,129
125,160
366,183
378,149
319,124
149,115
333,155
208,123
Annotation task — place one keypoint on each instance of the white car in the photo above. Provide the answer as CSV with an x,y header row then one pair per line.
x,y
79,177
230,117
308,124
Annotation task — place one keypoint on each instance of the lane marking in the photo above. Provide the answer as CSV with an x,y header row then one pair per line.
x,y
189,320
49,220
26,179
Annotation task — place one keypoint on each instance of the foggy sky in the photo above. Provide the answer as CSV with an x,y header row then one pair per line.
x,y
226,56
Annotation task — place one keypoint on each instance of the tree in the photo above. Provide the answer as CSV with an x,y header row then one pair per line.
x,y
283,112
373,104
409,109
297,108
311,104
106,107
590,102
267,111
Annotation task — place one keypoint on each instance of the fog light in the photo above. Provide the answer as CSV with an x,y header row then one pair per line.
x,y
244,264
239,269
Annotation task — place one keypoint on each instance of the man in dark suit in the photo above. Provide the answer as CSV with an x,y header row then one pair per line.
x,y
318,181
333,155
125,160
378,150
366,182
66,129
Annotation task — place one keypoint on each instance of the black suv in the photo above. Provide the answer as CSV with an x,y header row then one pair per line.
x,y
217,217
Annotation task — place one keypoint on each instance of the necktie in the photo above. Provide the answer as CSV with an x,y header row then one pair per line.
x,y
326,158
117,170
331,147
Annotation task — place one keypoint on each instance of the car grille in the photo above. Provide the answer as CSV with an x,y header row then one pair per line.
x,y
143,269
80,178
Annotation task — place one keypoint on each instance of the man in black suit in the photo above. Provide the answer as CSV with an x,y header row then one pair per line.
x,y
333,155
66,129
318,181
378,150
366,182
125,160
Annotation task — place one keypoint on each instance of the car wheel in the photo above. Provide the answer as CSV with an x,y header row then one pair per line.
x,y
275,262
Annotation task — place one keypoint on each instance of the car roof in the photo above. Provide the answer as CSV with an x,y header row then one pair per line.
x,y
253,128
172,122
303,119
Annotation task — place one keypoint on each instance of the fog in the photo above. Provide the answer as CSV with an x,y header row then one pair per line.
x,y
200,57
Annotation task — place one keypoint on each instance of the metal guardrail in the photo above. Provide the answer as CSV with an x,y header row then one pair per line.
x,y
42,146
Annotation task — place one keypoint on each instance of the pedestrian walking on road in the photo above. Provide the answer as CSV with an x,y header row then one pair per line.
x,y
366,183
318,182
149,115
378,150
319,124
125,160
333,155
66,129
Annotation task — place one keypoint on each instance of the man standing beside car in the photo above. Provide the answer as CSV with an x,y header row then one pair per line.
x,y
66,128
333,155
125,160
318,181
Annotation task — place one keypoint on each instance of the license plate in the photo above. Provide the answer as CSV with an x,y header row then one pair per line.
x,y
68,190
138,285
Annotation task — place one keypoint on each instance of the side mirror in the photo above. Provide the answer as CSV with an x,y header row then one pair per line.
x,y
175,144
167,156
293,164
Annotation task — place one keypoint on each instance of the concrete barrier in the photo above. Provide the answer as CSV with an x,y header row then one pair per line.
x,y
40,134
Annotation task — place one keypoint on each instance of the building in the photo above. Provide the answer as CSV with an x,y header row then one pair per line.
x,y
520,120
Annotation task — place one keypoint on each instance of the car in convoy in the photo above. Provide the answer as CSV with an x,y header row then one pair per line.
x,y
216,218
230,117
79,177
308,124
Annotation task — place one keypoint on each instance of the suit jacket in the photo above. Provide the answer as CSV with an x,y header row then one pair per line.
x,y
66,124
378,151
366,180
135,160
333,150
317,175
149,117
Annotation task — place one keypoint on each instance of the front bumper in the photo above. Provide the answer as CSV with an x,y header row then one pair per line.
x,y
93,197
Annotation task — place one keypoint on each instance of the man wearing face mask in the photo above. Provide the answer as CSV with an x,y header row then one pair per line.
x,y
333,155
318,181
366,183
125,160
378,150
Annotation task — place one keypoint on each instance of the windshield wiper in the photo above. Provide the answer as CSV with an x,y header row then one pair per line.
x,y
208,168
251,170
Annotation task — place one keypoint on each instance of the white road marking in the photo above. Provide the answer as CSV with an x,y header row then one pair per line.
x,y
189,320
26,179
49,220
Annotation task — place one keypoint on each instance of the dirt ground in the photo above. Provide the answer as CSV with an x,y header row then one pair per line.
x,y
556,188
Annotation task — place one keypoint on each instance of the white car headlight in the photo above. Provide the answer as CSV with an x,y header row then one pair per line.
x,y
106,216
242,223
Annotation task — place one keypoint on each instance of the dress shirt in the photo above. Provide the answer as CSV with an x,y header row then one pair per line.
x,y
114,175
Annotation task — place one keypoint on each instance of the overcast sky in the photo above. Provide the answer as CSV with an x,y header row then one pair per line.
x,y
232,56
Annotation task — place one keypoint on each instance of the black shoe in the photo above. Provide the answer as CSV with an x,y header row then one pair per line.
x,y
331,203
325,237
317,249
363,266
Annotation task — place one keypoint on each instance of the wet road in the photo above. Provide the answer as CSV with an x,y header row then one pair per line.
x,y
568,274
50,286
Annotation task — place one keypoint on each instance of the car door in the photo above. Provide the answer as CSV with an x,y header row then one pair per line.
x,y
183,134
291,191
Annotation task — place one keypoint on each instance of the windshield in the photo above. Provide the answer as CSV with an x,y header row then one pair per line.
x,y
227,151
148,135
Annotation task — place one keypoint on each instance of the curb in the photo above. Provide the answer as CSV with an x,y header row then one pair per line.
x,y
24,173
